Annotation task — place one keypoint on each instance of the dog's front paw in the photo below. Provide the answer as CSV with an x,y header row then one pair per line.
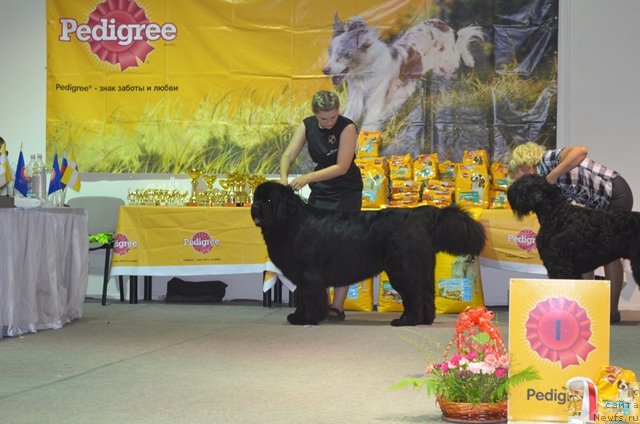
x,y
403,322
295,319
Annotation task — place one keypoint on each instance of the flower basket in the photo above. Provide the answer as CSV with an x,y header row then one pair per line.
x,y
472,384
463,412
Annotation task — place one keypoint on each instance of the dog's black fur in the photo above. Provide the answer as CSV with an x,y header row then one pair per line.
x,y
572,239
316,248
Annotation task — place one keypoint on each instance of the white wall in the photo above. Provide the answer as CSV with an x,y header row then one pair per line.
x,y
599,98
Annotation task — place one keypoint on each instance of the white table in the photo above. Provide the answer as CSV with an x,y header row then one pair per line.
x,y
44,267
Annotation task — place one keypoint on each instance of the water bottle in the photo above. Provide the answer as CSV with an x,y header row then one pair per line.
x,y
28,171
39,179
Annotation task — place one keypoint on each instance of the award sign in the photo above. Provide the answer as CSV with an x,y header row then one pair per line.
x,y
561,328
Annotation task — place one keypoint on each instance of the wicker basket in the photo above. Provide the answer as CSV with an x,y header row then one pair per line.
x,y
461,412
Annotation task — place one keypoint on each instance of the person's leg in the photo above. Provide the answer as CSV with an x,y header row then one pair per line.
x,y
614,272
339,296
621,199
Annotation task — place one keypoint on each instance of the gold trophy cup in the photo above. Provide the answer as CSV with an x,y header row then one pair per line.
x,y
195,175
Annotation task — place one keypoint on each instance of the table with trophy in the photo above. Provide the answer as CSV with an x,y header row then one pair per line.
x,y
168,232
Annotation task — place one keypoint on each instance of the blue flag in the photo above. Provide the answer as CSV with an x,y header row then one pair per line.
x,y
55,183
22,183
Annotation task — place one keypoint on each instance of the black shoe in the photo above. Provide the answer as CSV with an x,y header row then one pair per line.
x,y
335,315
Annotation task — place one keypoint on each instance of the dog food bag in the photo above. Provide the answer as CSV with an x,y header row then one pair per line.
x,y
475,157
425,167
448,171
405,186
458,283
500,179
438,193
381,161
375,186
359,296
388,298
405,200
368,144
498,200
618,395
401,167
472,186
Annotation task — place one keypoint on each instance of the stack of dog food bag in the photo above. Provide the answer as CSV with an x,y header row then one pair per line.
x,y
403,181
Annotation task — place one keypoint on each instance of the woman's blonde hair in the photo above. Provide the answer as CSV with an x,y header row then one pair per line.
x,y
529,154
325,100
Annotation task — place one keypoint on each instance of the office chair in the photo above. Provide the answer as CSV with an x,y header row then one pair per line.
x,y
102,212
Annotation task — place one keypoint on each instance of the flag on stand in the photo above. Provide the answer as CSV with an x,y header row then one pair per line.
x,y
22,183
55,183
5,168
71,175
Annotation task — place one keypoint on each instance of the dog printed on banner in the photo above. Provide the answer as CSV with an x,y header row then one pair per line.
x,y
381,76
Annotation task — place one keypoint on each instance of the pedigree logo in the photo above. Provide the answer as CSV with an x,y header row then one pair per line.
x,y
201,242
118,32
122,245
525,239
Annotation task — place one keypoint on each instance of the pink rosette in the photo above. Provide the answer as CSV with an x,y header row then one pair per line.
x,y
124,12
558,329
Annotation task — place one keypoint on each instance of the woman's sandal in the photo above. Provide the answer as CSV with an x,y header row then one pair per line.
x,y
335,315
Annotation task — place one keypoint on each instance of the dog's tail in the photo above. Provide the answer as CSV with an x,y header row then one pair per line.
x,y
464,37
457,233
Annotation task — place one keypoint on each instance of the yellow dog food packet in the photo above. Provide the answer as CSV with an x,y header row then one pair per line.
x,y
458,283
448,170
618,395
476,157
498,200
472,186
425,167
438,193
359,296
375,186
401,167
368,144
388,298
380,161
500,179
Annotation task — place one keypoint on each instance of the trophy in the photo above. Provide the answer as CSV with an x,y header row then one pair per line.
x,y
195,175
210,180
254,181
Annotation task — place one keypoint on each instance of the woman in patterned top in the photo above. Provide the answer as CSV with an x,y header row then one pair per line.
x,y
335,182
583,181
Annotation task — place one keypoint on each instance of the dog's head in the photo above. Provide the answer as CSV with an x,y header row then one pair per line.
x,y
273,205
350,40
531,192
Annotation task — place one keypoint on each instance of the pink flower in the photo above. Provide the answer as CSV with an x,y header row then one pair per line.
x,y
455,360
471,355
501,372
444,367
491,359
503,361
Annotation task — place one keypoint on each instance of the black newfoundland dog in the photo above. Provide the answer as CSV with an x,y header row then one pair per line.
x,y
573,240
317,248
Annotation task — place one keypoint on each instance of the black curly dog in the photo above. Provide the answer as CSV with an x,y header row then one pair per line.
x,y
317,248
572,239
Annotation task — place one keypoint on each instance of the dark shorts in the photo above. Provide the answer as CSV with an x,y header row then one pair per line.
x,y
621,195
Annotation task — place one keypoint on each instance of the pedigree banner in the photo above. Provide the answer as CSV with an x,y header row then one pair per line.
x,y
175,240
160,86
561,328
511,242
